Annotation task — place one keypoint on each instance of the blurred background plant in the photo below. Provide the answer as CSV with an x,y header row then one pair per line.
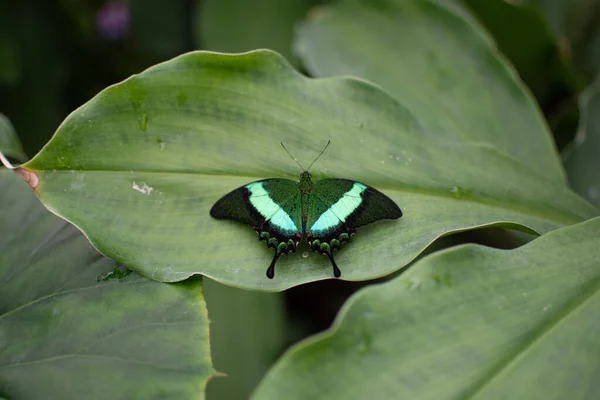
x,y
57,54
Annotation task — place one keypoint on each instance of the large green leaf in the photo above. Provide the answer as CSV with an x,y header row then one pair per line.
x,y
439,64
470,322
72,328
139,166
582,161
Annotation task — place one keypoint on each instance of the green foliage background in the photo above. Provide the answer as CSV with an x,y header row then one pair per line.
x,y
487,108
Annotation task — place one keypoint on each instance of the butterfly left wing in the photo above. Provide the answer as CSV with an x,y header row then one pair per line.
x,y
271,207
338,207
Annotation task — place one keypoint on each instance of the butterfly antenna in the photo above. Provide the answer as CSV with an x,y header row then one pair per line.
x,y
292,157
322,151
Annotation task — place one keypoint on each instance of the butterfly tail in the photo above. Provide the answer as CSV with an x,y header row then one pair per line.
x,y
271,269
336,271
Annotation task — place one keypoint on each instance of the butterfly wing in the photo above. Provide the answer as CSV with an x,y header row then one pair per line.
x,y
338,207
271,207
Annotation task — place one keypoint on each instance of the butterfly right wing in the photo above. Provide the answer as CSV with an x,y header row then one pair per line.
x,y
271,207
340,206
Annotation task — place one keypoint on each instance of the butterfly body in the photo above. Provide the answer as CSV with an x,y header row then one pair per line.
x,y
324,213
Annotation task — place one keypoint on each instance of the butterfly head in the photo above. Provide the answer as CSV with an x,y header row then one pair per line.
x,y
305,174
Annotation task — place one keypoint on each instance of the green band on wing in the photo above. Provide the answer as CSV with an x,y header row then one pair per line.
x,y
270,210
340,210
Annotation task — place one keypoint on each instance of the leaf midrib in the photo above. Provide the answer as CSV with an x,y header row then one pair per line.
x,y
64,292
102,357
559,219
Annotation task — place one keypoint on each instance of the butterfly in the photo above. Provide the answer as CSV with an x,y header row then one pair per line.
x,y
325,213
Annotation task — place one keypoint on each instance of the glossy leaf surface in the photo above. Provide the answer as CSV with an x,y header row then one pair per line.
x,y
440,64
139,166
469,322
